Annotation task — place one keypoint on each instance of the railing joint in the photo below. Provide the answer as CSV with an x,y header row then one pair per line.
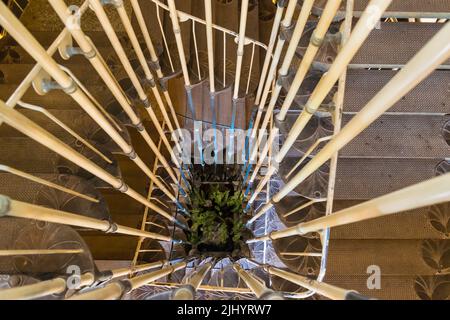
x,y
154,65
115,3
315,40
307,107
112,228
123,187
146,103
132,154
139,126
5,205
71,88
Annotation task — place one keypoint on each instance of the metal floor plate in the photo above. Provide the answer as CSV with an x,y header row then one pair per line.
x,y
395,44
25,190
398,8
29,156
431,95
391,135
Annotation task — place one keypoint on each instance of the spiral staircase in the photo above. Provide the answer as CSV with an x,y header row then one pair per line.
x,y
89,87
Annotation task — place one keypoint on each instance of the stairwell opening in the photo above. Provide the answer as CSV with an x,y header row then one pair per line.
x,y
218,216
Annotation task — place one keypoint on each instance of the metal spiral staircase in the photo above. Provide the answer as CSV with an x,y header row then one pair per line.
x,y
352,173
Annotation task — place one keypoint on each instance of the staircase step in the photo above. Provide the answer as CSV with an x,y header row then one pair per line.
x,y
15,73
391,45
18,55
422,223
398,9
432,95
368,178
78,120
364,178
25,190
391,135
55,99
400,136
27,155
111,246
18,233
393,287
394,257
395,44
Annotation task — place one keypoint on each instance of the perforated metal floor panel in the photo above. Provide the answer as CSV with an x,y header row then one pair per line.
x,y
391,135
395,44
359,178
431,95
399,8
25,190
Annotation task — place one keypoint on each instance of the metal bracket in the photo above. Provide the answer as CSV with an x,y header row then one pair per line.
x,y
132,154
64,45
43,84
5,205
40,82
115,3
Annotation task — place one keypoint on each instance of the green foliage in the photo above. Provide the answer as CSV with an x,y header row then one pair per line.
x,y
217,215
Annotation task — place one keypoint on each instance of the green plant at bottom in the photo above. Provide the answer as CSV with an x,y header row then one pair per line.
x,y
217,215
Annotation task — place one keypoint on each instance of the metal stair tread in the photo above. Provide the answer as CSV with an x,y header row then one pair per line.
x,y
367,178
412,224
394,257
432,95
395,44
391,136
25,190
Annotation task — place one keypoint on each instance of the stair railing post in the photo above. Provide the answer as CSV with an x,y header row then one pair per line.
x,y
314,45
154,58
46,183
324,289
25,210
143,62
303,17
116,290
59,285
212,87
434,53
97,62
286,23
188,290
272,39
43,288
256,285
29,43
361,31
111,34
237,76
364,26
187,82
